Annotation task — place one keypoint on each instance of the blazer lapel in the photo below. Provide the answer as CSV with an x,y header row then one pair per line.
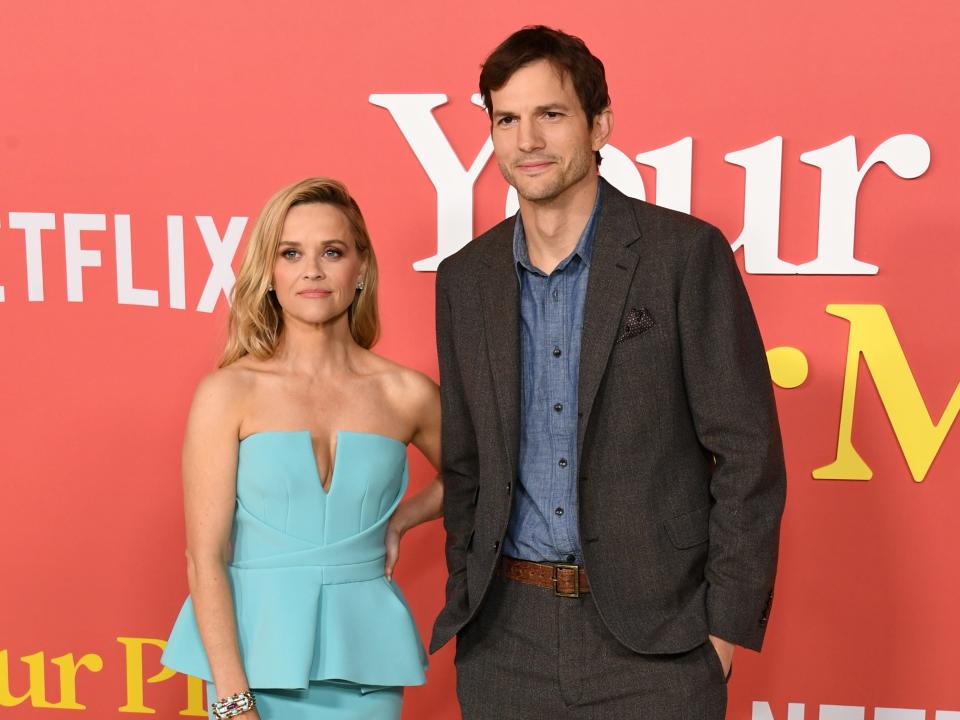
x,y
500,296
612,265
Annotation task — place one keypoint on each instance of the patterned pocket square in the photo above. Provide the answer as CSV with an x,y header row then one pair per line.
x,y
637,322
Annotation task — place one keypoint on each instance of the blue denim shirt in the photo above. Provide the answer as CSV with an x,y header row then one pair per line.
x,y
543,523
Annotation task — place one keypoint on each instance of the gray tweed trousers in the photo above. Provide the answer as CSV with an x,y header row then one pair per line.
x,y
529,654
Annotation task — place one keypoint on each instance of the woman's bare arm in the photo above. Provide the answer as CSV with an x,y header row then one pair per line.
x,y
428,503
209,487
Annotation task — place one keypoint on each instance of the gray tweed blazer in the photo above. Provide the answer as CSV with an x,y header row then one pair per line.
x,y
681,474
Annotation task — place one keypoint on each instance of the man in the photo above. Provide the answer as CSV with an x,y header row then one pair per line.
x,y
612,463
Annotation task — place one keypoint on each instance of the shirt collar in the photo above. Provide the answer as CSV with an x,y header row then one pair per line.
x,y
583,250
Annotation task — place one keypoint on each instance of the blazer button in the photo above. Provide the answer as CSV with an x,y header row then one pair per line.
x,y
496,545
509,486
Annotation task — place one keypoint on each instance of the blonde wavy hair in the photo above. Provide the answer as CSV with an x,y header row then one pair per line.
x,y
256,318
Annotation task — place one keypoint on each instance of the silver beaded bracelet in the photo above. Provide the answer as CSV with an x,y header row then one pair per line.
x,y
233,705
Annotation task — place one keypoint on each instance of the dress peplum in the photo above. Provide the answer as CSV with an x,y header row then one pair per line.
x,y
311,599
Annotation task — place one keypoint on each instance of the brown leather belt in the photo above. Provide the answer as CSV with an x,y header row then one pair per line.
x,y
565,580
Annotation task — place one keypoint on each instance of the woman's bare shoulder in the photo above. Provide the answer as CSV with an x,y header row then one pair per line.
x,y
400,377
225,383
225,391
405,386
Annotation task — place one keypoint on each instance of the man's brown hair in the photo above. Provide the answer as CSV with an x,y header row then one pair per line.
x,y
569,55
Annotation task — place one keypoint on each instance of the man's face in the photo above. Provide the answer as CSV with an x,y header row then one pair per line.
x,y
543,142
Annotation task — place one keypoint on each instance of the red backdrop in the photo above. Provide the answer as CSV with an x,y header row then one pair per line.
x,y
147,111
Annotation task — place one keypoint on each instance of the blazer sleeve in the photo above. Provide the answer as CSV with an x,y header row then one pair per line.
x,y
459,469
731,399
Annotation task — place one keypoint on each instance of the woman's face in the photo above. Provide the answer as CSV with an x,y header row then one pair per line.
x,y
317,266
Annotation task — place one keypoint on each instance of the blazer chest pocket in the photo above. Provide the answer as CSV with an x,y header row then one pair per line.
x,y
639,342
689,529
636,322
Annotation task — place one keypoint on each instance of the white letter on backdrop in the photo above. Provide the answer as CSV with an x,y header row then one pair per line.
x,y
33,224
221,253
175,262
760,237
898,714
127,294
674,166
77,258
908,156
454,185
841,712
762,711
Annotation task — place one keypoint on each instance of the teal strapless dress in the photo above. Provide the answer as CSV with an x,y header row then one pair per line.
x,y
311,600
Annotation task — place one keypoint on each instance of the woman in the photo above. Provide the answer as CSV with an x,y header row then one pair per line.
x,y
294,463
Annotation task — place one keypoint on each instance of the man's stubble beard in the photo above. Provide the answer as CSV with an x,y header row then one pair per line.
x,y
573,174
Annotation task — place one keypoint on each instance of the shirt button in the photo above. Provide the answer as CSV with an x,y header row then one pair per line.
x,y
571,558
558,511
558,407
563,462
556,352
556,294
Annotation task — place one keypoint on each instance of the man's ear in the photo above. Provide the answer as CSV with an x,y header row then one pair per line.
x,y
602,127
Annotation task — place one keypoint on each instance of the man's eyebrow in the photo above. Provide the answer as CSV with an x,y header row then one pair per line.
x,y
550,107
